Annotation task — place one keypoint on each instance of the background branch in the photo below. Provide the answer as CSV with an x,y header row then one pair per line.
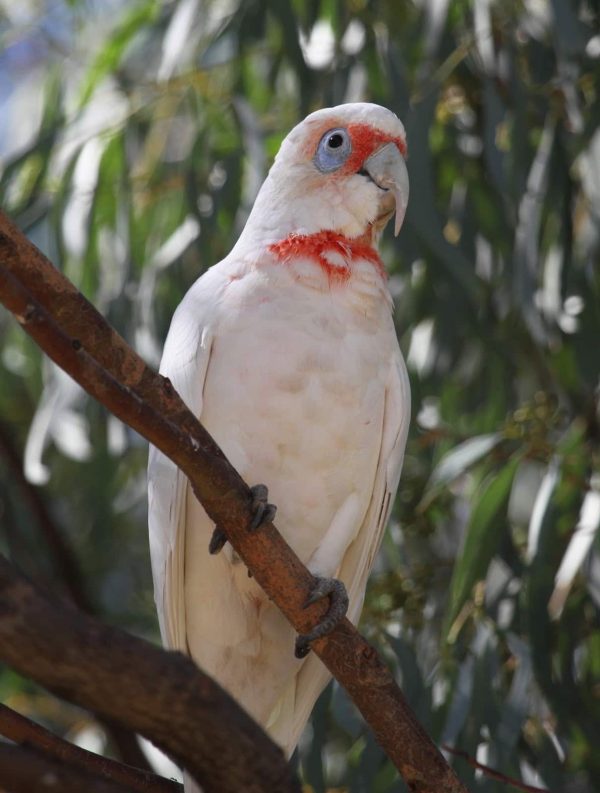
x,y
25,732
492,773
26,770
159,694
66,564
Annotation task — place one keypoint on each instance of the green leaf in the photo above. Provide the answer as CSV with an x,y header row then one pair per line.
x,y
109,57
483,537
462,457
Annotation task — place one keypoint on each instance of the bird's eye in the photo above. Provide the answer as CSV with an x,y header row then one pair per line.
x,y
333,150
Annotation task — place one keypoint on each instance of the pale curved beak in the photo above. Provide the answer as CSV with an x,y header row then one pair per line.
x,y
388,170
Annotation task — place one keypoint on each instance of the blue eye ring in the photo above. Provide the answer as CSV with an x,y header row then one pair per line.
x,y
333,150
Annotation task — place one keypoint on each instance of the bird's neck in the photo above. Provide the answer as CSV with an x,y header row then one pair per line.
x,y
317,238
335,254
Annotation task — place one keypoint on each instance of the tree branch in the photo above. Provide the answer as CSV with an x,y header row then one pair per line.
x,y
25,770
76,336
159,694
492,773
66,565
22,731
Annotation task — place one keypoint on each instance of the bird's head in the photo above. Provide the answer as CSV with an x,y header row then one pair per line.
x,y
341,170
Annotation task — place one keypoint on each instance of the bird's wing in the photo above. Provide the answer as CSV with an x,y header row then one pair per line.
x,y
358,560
185,362
298,700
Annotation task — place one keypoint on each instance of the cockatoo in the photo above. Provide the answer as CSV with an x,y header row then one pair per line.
x,y
286,351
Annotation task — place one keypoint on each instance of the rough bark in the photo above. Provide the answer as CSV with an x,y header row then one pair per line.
x,y
76,336
159,694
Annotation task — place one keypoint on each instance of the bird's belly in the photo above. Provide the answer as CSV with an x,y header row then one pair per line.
x,y
295,397
302,413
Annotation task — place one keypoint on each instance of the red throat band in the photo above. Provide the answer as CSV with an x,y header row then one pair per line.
x,y
320,246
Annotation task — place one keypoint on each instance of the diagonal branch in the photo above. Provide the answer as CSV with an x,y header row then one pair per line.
x,y
76,336
24,732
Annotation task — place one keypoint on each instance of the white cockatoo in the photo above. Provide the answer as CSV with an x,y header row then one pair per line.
x,y
286,351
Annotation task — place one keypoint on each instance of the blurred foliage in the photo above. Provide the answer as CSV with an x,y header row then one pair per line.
x,y
134,136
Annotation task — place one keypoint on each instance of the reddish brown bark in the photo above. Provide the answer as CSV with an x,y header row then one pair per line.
x,y
75,335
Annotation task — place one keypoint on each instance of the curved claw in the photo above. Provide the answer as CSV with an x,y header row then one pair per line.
x,y
263,512
335,589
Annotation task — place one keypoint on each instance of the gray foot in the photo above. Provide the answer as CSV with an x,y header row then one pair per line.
x,y
336,591
263,512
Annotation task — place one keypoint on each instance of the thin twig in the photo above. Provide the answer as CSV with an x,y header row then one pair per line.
x,y
77,337
492,773
23,731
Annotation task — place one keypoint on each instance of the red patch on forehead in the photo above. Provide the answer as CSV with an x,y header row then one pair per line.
x,y
324,248
365,138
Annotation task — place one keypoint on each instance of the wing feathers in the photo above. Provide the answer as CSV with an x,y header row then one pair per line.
x,y
185,362
296,704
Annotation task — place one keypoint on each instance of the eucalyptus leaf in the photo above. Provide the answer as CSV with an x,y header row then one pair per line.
x,y
483,536
109,57
462,457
